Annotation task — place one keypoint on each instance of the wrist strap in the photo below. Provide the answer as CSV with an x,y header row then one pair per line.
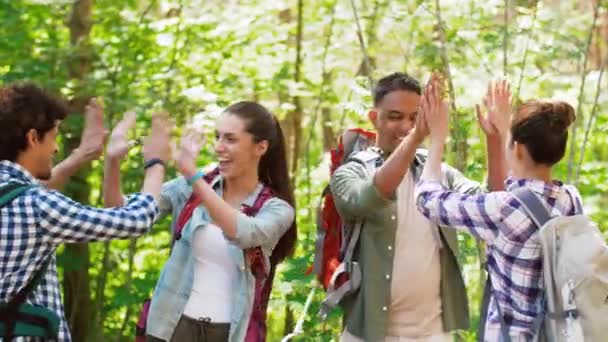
x,y
196,177
148,164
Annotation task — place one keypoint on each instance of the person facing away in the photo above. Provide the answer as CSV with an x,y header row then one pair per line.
x,y
206,289
39,220
537,139
411,287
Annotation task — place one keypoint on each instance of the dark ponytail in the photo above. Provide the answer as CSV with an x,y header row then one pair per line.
x,y
272,170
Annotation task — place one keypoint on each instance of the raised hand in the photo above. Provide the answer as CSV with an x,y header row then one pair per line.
x,y
94,133
435,111
156,145
498,107
119,145
189,149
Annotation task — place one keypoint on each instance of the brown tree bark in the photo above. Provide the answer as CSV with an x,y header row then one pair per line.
x,y
295,117
76,274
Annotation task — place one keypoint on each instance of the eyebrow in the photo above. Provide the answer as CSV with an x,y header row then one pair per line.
x,y
393,111
225,133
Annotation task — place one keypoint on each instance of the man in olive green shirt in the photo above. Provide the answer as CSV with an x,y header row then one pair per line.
x,y
411,287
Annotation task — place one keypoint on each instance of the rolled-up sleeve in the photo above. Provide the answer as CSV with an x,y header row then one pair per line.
x,y
267,227
354,191
171,193
65,220
479,214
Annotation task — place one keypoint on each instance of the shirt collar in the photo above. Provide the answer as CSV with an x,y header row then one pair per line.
x,y
217,185
10,171
550,190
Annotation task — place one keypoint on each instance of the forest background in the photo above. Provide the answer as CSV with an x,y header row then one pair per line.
x,y
311,62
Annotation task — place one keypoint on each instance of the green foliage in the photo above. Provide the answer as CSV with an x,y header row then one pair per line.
x,y
195,57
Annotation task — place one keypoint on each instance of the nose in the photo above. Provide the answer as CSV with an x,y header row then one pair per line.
x,y
405,127
219,146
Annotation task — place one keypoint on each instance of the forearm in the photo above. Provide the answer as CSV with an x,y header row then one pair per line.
x,y
391,173
222,214
497,163
112,194
63,171
153,181
432,167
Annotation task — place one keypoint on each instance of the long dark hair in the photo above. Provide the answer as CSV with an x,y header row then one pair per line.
x,y
272,169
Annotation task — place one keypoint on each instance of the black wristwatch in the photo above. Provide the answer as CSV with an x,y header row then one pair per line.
x,y
148,164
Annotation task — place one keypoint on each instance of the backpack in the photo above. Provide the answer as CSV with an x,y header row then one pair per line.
x,y
256,330
18,318
575,271
336,239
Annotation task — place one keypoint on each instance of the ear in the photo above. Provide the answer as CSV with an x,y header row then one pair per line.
x,y
32,138
261,148
520,151
373,117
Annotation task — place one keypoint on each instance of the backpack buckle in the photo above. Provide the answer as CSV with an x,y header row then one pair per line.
x,y
571,314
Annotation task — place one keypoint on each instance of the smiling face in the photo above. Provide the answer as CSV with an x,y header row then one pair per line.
x,y
394,117
38,156
237,151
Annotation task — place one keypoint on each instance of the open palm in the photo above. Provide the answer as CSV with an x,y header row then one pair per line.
x,y
119,143
190,147
498,109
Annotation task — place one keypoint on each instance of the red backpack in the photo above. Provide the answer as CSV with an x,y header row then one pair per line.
x,y
337,239
256,330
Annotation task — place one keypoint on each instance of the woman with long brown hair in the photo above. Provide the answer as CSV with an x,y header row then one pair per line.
x,y
231,227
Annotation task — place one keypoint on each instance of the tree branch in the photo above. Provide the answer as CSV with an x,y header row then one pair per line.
x,y
525,57
320,97
362,45
505,41
590,121
581,93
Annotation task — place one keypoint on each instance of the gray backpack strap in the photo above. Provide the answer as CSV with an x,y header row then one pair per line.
x,y
369,158
533,206
347,266
578,206
540,215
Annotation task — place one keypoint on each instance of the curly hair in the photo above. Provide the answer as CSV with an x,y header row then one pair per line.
x,y
24,107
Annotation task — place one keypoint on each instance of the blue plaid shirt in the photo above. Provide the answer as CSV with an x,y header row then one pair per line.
x,y
34,224
514,251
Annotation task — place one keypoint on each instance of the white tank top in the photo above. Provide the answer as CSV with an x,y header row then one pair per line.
x,y
215,274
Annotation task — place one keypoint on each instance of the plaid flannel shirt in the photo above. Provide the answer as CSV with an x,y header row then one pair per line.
x,y
33,225
514,251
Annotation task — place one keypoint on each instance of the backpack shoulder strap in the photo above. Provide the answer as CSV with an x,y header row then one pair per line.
x,y
368,157
576,203
31,285
12,190
533,206
8,193
264,195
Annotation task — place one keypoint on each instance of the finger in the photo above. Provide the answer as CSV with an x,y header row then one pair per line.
x,y
480,116
437,95
129,119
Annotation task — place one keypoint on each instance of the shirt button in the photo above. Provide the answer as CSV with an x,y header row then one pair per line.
x,y
390,248
393,217
384,308
243,268
388,276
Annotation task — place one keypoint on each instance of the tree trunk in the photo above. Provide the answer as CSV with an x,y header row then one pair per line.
x,y
329,136
76,274
295,117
